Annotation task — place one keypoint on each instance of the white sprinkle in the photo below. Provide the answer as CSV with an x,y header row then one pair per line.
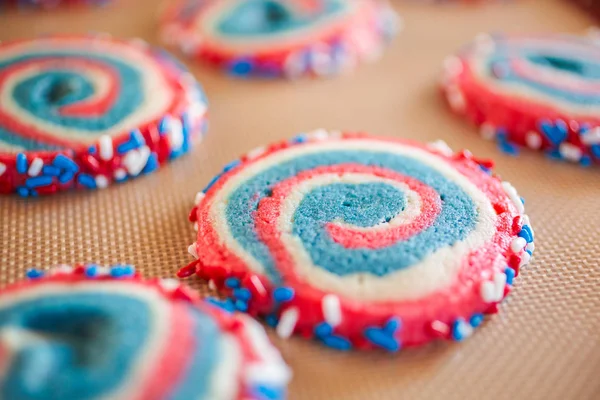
x,y
135,160
36,167
287,322
455,98
487,131
320,61
441,147
525,259
330,304
139,43
196,227
511,192
101,182
591,137
517,245
105,147
192,250
61,269
452,66
499,284
484,43
101,271
294,65
570,152
212,285
527,222
318,134
276,374
533,140
255,153
199,197
530,247
169,284
464,329
120,174
175,133
2,168
487,290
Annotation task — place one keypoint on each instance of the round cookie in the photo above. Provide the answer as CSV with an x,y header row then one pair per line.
x,y
542,92
361,241
48,4
275,38
84,111
98,333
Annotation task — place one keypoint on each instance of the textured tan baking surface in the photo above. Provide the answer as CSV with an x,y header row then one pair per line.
x,y
545,342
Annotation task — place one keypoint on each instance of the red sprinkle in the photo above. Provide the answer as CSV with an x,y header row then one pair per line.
x,y
188,270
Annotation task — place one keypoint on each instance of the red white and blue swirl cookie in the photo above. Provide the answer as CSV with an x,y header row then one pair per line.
x,y
87,111
542,92
98,333
274,38
361,241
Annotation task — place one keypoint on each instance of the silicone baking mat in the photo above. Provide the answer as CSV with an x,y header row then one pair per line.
x,y
544,344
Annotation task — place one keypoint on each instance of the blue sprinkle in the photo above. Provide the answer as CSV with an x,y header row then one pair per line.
x,y
186,127
163,126
510,275
337,342
393,325
23,191
232,283
21,163
226,305
92,150
585,161
323,330
137,138
299,139
211,183
242,294
526,234
91,271
126,147
529,252
231,165
38,181
116,272
476,320
283,294
63,162
522,200
151,164
34,273
128,270
456,334
262,392
271,320
508,148
50,170
241,305
382,339
241,67
486,170
554,154
87,180
66,177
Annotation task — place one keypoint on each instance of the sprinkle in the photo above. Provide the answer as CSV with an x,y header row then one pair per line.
x,y
533,140
499,284
332,311
91,271
120,174
232,283
455,98
50,170
570,152
318,135
271,320
135,160
255,153
526,233
441,147
510,275
101,182
65,163
487,291
23,191
287,322
34,273
212,285
2,168
175,134
393,325
151,164
211,183
38,181
199,197
241,305
21,163
487,131
461,330
283,294
35,167
591,137
337,342
323,329
382,338
258,285
86,180
105,147
66,177
226,305
517,245
242,294
192,250
241,67
476,320
231,165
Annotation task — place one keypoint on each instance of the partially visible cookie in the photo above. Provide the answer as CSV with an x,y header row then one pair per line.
x,y
86,111
275,38
542,92
97,333
361,241
49,4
